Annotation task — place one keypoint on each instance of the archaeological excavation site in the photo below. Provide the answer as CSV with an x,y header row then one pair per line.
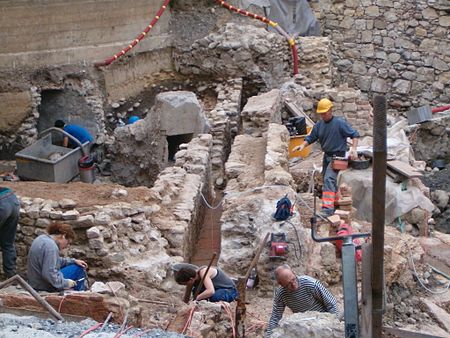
x,y
217,169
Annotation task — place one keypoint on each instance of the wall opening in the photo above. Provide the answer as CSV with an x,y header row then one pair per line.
x,y
174,142
67,105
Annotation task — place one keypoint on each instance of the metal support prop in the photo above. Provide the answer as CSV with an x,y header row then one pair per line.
x,y
378,211
350,288
39,299
349,277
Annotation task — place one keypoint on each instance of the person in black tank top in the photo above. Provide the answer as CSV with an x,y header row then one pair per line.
x,y
217,286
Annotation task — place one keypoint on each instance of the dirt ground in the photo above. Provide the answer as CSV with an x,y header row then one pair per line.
x,y
83,194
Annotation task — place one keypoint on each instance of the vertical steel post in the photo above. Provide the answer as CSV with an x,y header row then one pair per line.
x,y
350,288
378,212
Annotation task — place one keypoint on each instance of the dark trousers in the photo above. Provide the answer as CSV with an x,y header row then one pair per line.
x,y
9,217
77,274
329,183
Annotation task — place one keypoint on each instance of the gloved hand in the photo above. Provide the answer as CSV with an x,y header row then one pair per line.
x,y
298,148
71,283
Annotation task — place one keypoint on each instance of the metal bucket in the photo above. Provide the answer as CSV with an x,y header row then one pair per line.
x,y
86,164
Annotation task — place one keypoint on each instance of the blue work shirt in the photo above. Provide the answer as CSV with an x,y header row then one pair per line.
x,y
332,135
80,133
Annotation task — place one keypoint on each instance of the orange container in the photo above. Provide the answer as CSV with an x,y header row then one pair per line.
x,y
297,140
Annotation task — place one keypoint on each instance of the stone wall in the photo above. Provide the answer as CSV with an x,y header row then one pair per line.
x,y
243,50
132,242
348,103
430,140
396,48
139,151
178,191
77,98
257,179
276,169
260,111
224,120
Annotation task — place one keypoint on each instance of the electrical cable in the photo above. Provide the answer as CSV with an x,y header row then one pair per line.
x,y
209,205
420,281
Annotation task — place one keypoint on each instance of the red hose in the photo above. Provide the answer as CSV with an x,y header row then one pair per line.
x,y
275,25
295,57
439,109
93,328
137,40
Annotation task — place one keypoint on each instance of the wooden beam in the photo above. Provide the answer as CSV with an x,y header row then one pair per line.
x,y
404,168
296,112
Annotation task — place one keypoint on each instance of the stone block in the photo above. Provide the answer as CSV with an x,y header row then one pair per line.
x,y
67,203
70,215
85,221
93,232
43,222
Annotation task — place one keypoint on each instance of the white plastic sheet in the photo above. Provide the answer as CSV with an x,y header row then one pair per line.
x,y
398,201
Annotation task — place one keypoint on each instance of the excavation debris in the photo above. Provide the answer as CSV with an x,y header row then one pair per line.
x,y
12,326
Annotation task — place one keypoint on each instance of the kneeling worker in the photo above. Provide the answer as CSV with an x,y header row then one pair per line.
x,y
46,270
78,132
217,286
300,294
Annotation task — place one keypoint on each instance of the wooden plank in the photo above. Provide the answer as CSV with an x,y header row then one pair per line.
x,y
366,291
296,112
407,334
397,177
404,169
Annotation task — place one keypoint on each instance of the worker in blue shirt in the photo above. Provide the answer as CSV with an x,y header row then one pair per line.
x,y
80,133
331,132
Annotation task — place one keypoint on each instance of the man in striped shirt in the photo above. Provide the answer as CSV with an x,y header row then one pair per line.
x,y
300,294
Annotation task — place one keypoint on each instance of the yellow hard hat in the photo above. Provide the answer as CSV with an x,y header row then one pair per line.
x,y
324,106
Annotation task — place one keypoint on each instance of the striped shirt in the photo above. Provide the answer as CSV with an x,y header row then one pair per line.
x,y
310,295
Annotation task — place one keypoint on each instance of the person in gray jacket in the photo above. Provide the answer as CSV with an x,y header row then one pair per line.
x,y
9,217
46,270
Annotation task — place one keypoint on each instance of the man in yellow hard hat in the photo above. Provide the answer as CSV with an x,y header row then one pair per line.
x,y
332,133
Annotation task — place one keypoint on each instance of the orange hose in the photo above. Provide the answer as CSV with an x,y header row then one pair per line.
x,y
95,327
137,40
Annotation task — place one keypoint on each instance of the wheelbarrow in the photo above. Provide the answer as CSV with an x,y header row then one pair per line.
x,y
44,161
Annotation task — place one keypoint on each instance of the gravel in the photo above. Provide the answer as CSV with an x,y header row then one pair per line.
x,y
13,326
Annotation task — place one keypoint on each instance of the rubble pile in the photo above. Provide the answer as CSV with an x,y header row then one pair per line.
x,y
239,50
310,324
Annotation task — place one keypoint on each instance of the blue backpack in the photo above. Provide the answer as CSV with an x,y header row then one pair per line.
x,y
283,211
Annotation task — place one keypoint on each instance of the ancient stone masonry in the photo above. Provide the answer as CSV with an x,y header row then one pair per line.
x,y
117,235
396,48
260,111
139,148
249,204
347,102
430,140
224,120
75,95
276,170
133,242
178,190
